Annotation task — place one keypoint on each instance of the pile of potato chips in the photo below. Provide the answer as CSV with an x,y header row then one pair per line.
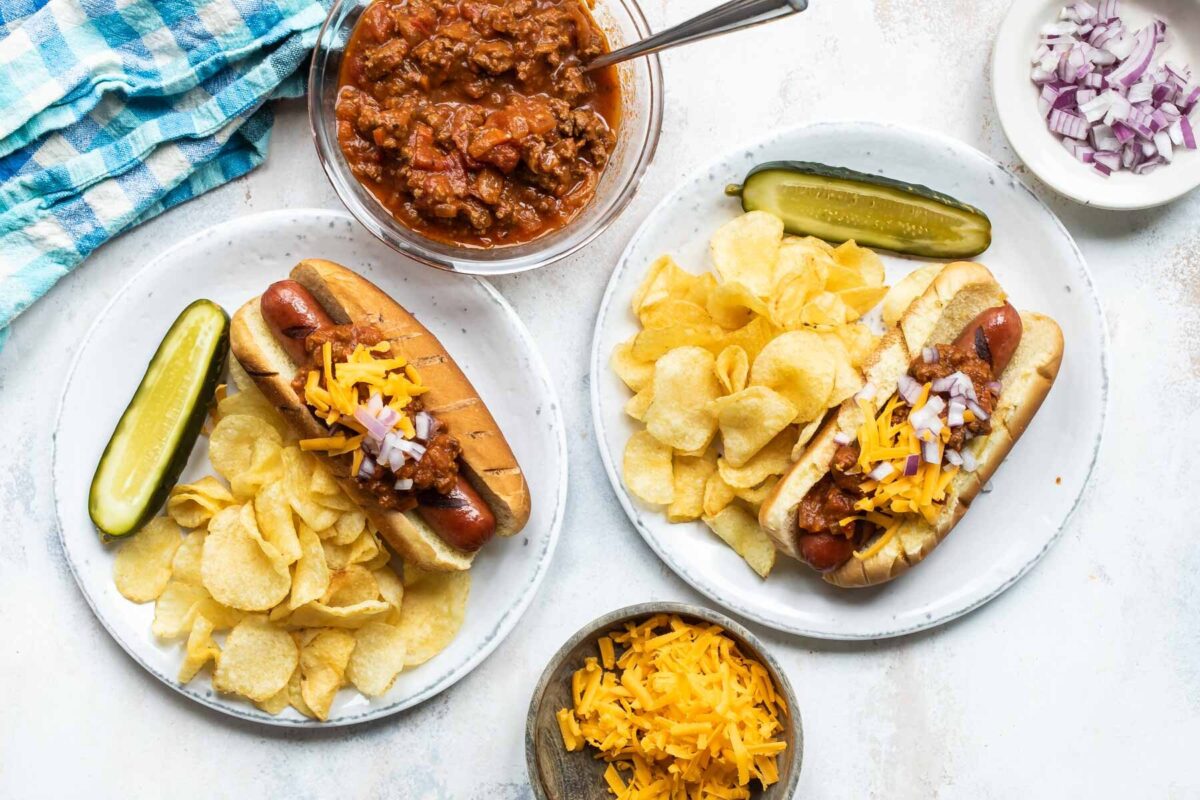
x,y
756,353
283,560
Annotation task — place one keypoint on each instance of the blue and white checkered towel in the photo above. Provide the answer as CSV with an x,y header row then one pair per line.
x,y
112,111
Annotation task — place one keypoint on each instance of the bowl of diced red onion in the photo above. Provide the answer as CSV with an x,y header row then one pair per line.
x,y
1101,98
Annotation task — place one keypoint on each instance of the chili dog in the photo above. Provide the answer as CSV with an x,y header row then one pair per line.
x,y
948,392
405,434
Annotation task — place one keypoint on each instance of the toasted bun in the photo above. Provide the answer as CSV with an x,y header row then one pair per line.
x,y
955,297
487,461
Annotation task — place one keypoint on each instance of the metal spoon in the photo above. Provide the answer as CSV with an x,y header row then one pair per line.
x,y
731,16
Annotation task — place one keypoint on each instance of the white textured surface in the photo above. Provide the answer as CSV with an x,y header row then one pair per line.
x,y
1084,680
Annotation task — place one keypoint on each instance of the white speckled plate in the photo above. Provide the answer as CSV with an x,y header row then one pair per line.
x,y
1034,492
229,264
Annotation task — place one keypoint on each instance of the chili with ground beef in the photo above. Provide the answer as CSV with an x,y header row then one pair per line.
x,y
473,121
436,470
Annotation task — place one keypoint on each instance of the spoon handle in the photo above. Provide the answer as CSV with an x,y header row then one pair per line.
x,y
730,16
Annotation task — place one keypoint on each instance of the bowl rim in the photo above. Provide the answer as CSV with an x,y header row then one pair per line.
x,y
463,259
648,609
1110,196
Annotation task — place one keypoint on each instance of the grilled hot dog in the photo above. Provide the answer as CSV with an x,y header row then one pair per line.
x,y
461,517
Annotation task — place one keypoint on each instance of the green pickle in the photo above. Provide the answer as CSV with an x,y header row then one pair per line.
x,y
837,204
154,438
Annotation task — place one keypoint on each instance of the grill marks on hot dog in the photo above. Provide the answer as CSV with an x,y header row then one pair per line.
x,y
460,517
993,336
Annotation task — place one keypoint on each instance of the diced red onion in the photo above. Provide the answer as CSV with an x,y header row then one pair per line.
x,y
1162,143
977,410
423,424
375,429
1108,9
969,463
410,448
911,465
929,355
996,387
389,417
954,458
1109,159
843,438
375,404
954,414
1068,123
909,389
1189,135
403,484
931,452
881,471
367,468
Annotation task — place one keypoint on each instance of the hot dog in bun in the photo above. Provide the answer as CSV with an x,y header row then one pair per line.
x,y
949,391
375,395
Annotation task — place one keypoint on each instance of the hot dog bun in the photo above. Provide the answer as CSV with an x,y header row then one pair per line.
x,y
487,461
955,297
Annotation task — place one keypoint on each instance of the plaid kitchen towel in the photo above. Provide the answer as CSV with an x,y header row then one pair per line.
x,y
112,111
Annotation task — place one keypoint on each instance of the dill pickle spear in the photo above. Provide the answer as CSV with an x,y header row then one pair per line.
x,y
837,204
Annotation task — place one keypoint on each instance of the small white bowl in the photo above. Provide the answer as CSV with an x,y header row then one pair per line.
x,y
1016,103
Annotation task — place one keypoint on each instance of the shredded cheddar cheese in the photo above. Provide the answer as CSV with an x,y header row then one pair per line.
x,y
335,390
896,494
681,714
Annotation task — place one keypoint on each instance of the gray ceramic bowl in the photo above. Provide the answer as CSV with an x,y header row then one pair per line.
x,y
556,774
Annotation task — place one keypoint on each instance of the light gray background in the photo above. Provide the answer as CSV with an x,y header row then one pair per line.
x,y
1083,680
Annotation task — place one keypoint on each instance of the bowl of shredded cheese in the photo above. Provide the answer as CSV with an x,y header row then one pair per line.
x,y
663,701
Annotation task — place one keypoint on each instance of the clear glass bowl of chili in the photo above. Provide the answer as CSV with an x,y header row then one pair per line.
x,y
641,106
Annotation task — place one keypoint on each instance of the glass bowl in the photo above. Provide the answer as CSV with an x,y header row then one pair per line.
x,y
637,137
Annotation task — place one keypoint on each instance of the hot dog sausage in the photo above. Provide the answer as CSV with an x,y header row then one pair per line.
x,y
994,336
292,314
824,552
461,517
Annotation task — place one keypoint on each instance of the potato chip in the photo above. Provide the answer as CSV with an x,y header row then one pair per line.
x,y
377,659
799,366
732,305
684,382
192,505
362,550
241,443
253,403
664,279
749,419
435,604
391,588
311,576
222,617
717,494
739,529
846,380
348,527
673,311
755,496
752,337
907,289
257,660
774,459
826,308
647,469
186,564
323,663
298,468
807,257
807,432
862,261
318,615
381,557
652,345
862,300
295,698
235,569
733,368
639,404
350,586
200,649
273,513
142,566
175,609
691,474
249,523
636,373
858,341
276,702
746,248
